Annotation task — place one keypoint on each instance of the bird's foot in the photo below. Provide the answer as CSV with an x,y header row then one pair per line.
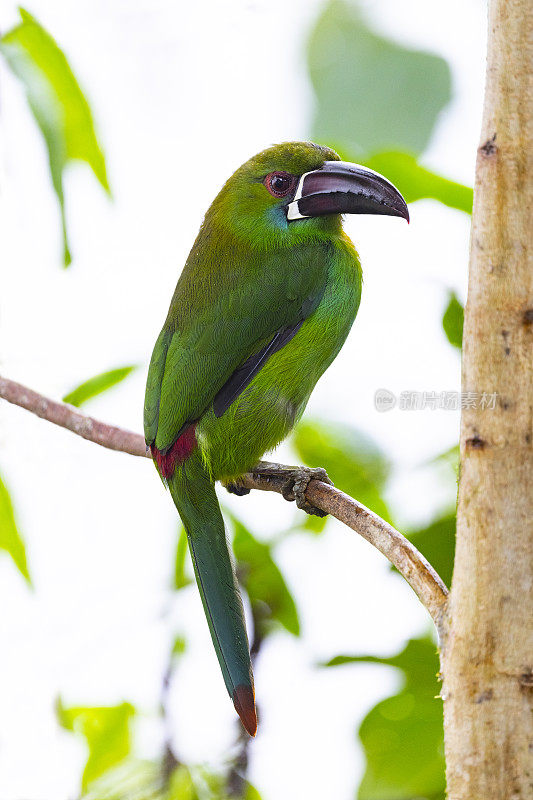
x,y
234,487
296,483
292,481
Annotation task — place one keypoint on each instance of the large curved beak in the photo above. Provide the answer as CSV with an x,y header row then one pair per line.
x,y
339,187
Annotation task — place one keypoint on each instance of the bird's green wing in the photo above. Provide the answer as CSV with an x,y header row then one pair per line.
x,y
153,384
197,353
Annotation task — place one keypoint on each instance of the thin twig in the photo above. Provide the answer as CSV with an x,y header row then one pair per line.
x,y
396,548
169,760
68,417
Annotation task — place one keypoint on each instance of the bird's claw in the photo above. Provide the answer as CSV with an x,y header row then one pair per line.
x,y
296,486
235,488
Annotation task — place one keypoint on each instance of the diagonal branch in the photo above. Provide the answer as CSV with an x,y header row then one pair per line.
x,y
68,417
419,574
416,570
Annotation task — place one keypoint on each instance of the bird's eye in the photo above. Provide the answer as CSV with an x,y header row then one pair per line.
x,y
279,184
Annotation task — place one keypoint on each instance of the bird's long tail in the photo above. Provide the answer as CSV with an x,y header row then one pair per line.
x,y
195,498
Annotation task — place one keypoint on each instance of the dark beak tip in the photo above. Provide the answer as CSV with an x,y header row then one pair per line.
x,y
401,209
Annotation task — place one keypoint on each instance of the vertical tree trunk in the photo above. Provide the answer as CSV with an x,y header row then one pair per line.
x,y
488,653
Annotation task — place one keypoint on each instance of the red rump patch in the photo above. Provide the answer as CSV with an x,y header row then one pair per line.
x,y
176,455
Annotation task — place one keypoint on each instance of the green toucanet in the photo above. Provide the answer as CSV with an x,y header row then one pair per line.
x,y
263,305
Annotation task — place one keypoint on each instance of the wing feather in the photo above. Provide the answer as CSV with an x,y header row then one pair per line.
x,y
244,374
221,329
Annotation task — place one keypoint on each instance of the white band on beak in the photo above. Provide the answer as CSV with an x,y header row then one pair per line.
x,y
293,209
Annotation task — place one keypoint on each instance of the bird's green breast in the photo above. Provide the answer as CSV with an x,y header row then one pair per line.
x,y
266,411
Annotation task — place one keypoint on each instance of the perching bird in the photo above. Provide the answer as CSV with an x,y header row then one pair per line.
x,y
263,305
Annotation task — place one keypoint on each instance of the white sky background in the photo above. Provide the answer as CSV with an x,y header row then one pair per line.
x,y
183,93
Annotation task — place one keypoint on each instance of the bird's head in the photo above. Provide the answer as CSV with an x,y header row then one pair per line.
x,y
298,189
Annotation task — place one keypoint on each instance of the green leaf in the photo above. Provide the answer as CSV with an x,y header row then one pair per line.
x,y
251,793
450,456
418,661
181,579
372,94
57,102
204,784
181,785
199,783
436,542
107,732
314,524
133,779
404,746
10,538
96,385
267,591
377,103
402,736
417,183
353,461
453,321
179,647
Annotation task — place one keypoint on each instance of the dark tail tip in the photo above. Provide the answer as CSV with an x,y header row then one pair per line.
x,y
244,702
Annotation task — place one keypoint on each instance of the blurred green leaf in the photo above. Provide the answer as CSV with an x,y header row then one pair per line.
x,y
181,579
450,456
97,385
372,94
453,321
181,785
418,661
269,596
57,103
353,461
377,102
107,732
179,647
404,746
199,783
403,735
449,460
313,523
415,182
251,793
134,779
436,542
10,538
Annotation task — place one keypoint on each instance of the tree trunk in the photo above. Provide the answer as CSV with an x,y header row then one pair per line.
x,y
488,651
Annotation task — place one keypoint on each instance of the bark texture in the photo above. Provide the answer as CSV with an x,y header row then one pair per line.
x,y
488,653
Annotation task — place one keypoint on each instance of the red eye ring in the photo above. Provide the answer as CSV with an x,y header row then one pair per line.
x,y
279,184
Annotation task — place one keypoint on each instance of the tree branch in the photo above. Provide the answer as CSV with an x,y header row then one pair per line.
x,y
68,417
419,574
416,570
